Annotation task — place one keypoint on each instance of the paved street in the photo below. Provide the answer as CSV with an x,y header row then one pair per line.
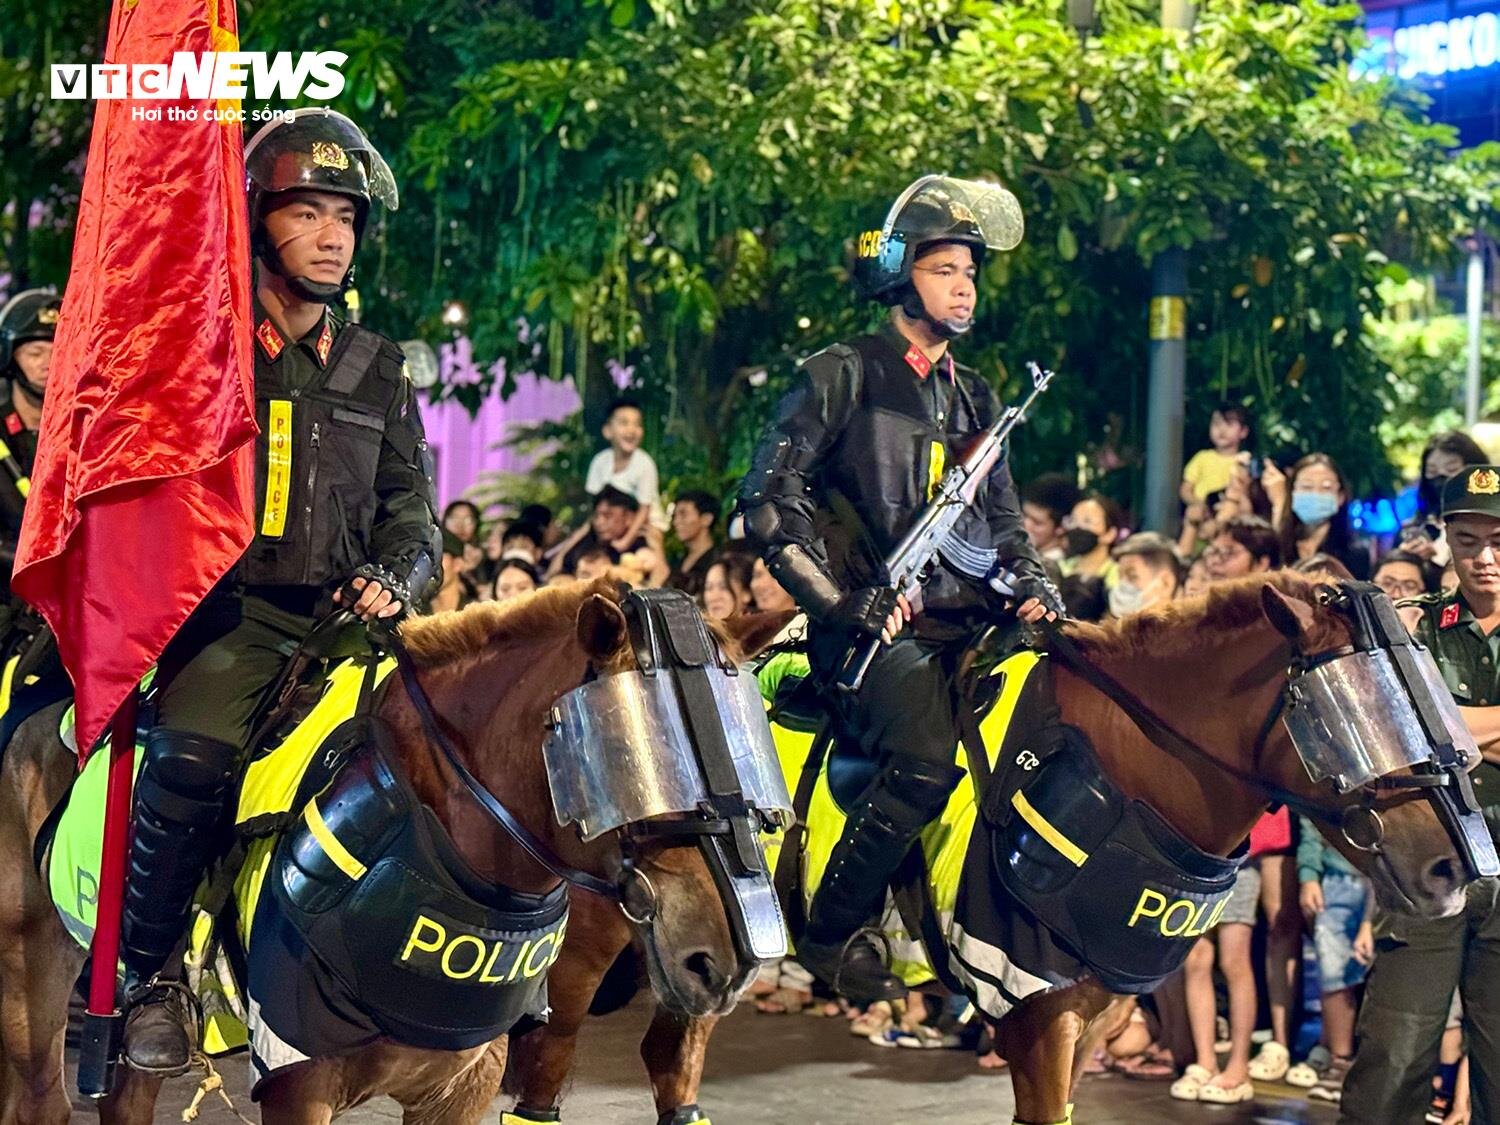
x,y
795,1070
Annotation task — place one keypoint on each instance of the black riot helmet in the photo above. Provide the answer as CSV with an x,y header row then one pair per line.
x,y
313,149
29,315
932,211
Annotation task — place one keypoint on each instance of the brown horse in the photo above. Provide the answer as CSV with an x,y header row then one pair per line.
x,y
492,674
1215,668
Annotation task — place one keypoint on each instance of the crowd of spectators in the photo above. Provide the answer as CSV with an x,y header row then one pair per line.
x,y
626,535
1299,912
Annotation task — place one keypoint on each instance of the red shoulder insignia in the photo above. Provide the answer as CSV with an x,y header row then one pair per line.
x,y
1450,616
13,423
270,339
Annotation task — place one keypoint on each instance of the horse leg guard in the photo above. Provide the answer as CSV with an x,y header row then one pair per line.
x,y
890,814
684,1115
1068,1120
523,1115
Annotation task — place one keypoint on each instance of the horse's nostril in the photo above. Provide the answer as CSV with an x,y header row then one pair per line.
x,y
1442,876
702,966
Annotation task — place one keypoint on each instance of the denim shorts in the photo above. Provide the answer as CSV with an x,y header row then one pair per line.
x,y
1335,929
1244,899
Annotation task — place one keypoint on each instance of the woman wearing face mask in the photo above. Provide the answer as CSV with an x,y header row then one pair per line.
x,y
1316,517
1093,528
1088,572
1444,456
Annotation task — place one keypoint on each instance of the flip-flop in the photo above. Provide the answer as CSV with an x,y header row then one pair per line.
x,y
783,1002
1144,1068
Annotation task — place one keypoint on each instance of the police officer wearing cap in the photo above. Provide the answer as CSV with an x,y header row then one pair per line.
x,y
849,464
1419,962
346,515
28,323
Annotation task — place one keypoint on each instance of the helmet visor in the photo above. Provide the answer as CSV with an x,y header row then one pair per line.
x,y
969,206
321,150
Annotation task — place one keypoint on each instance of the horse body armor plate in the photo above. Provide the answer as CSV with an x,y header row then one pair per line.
x,y
367,897
1118,887
1057,876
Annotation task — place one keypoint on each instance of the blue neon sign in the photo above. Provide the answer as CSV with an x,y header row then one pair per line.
x,y
1455,46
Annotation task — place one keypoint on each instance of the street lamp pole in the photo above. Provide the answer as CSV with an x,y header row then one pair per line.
x,y
1168,354
1475,317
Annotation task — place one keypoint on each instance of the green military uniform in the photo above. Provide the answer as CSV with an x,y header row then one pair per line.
x,y
1420,962
343,488
236,645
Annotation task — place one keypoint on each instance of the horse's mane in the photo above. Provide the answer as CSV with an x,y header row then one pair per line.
x,y
1177,628
444,637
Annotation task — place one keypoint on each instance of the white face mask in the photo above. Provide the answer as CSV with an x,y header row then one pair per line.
x,y
1127,598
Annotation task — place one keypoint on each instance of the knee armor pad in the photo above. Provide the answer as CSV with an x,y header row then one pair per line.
x,y
182,796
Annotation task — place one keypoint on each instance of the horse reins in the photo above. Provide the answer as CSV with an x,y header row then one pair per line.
x,y
1162,735
617,892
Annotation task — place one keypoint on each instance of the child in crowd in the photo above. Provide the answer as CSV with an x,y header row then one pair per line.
x,y
1338,901
627,467
1209,470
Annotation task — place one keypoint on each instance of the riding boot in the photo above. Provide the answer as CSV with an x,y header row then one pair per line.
x,y
182,796
885,821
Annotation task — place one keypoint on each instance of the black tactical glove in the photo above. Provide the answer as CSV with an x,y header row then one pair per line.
x,y
865,610
374,572
1030,581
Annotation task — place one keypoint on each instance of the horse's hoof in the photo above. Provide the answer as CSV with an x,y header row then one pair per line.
x,y
156,1035
683,1115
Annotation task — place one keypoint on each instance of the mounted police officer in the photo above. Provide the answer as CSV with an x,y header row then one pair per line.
x,y
857,448
1420,962
346,505
28,323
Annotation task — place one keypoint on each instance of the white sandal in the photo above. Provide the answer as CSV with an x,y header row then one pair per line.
x,y
1271,1063
1193,1079
1303,1075
1227,1095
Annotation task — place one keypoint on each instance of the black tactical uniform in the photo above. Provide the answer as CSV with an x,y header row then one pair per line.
x,y
344,490
28,316
1420,961
848,466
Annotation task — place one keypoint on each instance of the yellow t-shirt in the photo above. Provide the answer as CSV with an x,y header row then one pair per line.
x,y
1209,471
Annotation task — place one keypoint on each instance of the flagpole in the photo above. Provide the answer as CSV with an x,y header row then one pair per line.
x,y
104,1020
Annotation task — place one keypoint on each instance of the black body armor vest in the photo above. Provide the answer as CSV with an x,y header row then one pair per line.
x,y
315,465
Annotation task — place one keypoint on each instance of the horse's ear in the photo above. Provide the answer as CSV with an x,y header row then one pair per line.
x,y
1292,617
601,627
752,632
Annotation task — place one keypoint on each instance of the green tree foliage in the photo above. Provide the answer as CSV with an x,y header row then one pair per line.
x,y
675,186
41,140
681,195
1424,354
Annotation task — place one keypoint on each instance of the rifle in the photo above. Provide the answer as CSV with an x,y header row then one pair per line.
x,y
934,534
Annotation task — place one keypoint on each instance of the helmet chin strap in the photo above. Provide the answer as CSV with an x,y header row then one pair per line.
x,y
305,288
28,392
946,328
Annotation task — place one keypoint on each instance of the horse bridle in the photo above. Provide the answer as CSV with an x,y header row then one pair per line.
x,y
668,637
631,890
1373,622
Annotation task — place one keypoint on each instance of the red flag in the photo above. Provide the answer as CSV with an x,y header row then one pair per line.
x,y
143,491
